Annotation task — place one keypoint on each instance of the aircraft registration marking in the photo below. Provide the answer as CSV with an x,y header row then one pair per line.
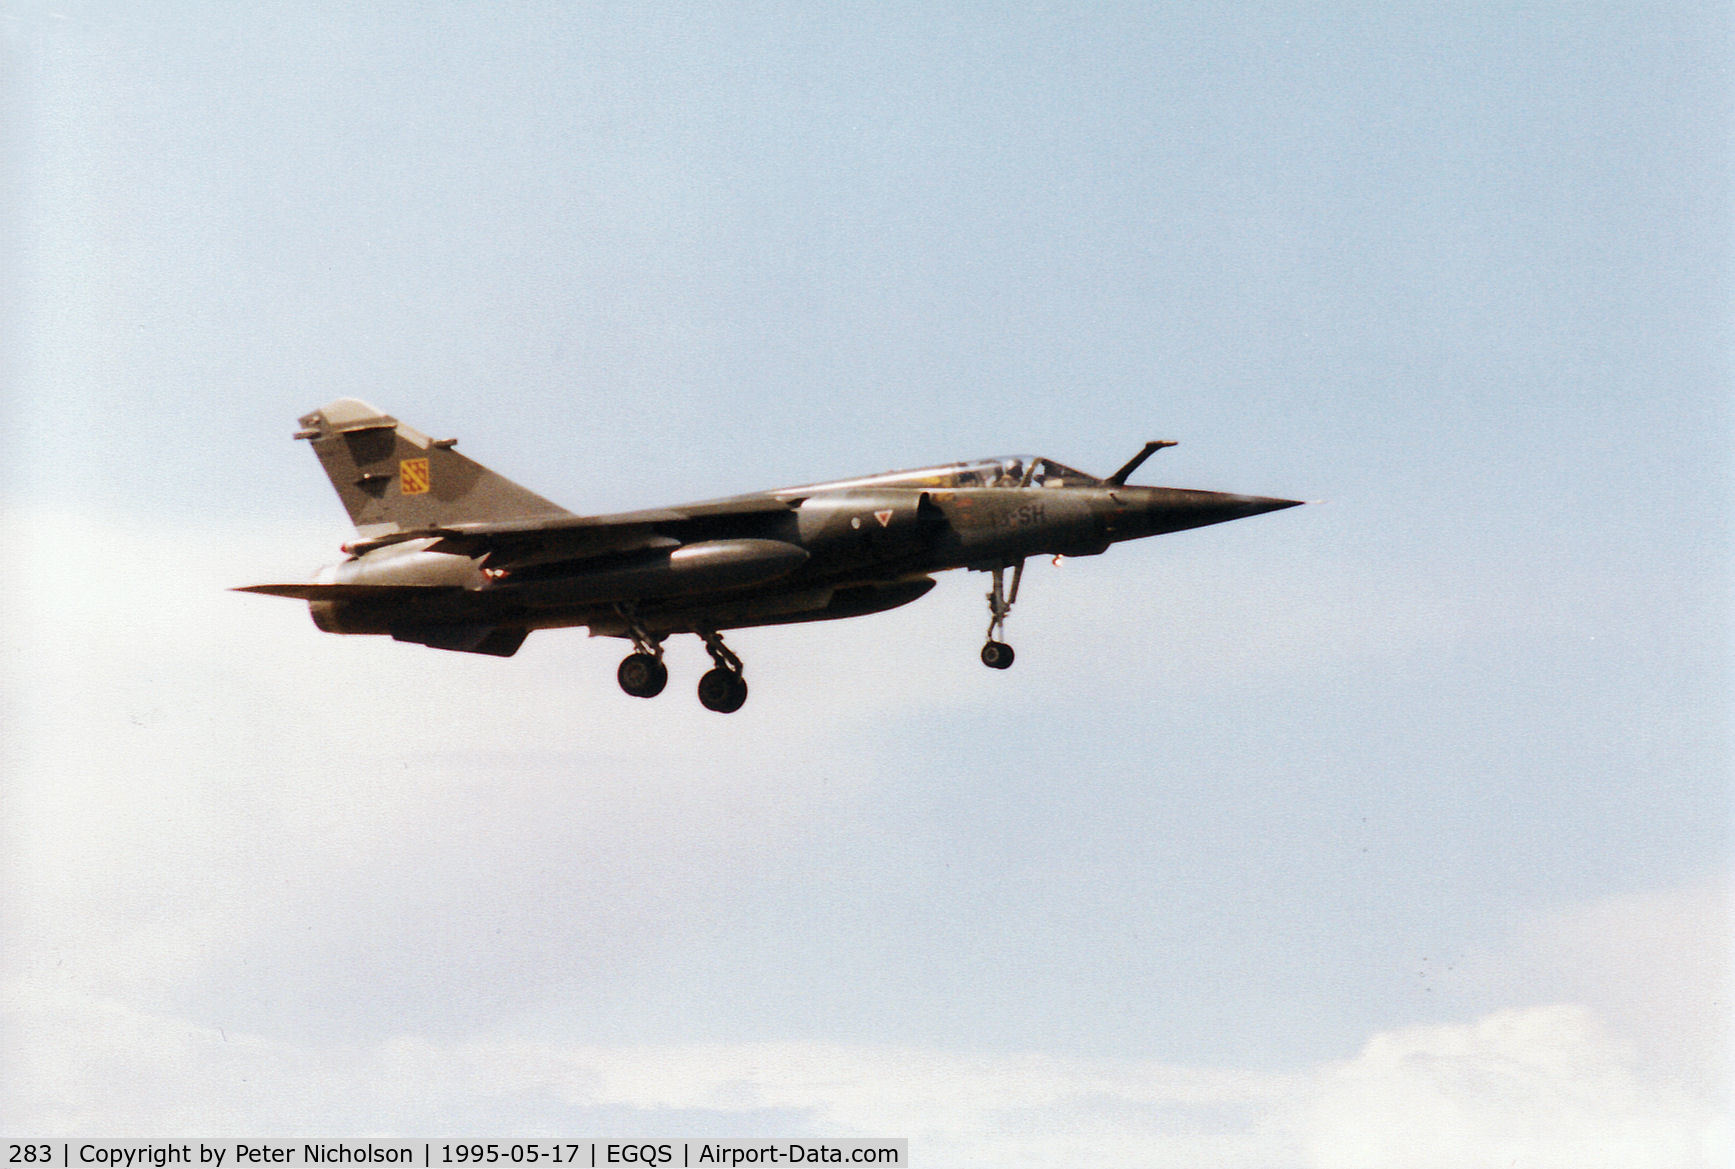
x,y
413,477
1023,516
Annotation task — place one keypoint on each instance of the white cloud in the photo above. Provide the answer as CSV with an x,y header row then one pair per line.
x,y
1657,965
1537,1087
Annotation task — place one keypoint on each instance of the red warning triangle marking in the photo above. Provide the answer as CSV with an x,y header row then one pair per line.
x,y
884,517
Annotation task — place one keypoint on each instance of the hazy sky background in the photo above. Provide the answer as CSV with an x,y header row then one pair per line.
x,y
1393,831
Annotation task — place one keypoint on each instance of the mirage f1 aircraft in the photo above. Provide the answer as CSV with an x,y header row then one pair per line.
x,y
453,556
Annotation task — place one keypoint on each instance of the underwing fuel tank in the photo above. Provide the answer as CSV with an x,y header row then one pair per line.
x,y
701,567
413,562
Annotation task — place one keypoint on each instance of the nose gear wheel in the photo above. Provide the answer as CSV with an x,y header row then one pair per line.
x,y
997,655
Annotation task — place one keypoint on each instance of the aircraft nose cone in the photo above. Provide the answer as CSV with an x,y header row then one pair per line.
x,y
1172,509
1246,505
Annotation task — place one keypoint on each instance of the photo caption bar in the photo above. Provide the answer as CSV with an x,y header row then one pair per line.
x,y
446,1153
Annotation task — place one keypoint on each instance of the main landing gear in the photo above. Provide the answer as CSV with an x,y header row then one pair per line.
x,y
643,675
722,689
997,655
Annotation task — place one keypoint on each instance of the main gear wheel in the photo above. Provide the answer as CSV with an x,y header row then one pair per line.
x,y
642,675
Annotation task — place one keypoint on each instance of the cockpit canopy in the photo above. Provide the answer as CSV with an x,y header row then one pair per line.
x,y
1005,471
1024,471
1048,473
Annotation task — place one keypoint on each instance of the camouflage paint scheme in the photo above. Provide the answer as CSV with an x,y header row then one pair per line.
x,y
451,555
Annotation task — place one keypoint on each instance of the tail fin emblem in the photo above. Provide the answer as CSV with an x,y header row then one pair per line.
x,y
413,477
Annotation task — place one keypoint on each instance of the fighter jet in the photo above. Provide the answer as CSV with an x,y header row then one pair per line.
x,y
450,555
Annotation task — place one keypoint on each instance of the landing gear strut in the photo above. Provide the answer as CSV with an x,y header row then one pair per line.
x,y
642,674
722,689
997,655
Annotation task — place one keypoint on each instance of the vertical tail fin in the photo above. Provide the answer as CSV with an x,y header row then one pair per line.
x,y
392,477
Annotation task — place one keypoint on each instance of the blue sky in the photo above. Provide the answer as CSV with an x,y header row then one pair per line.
x,y
1266,817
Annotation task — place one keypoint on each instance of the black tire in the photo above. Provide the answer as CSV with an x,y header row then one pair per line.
x,y
642,676
722,691
997,655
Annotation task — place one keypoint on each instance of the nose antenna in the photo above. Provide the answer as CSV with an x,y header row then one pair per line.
x,y
1119,478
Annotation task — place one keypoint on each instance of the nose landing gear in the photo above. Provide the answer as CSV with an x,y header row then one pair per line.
x,y
997,655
